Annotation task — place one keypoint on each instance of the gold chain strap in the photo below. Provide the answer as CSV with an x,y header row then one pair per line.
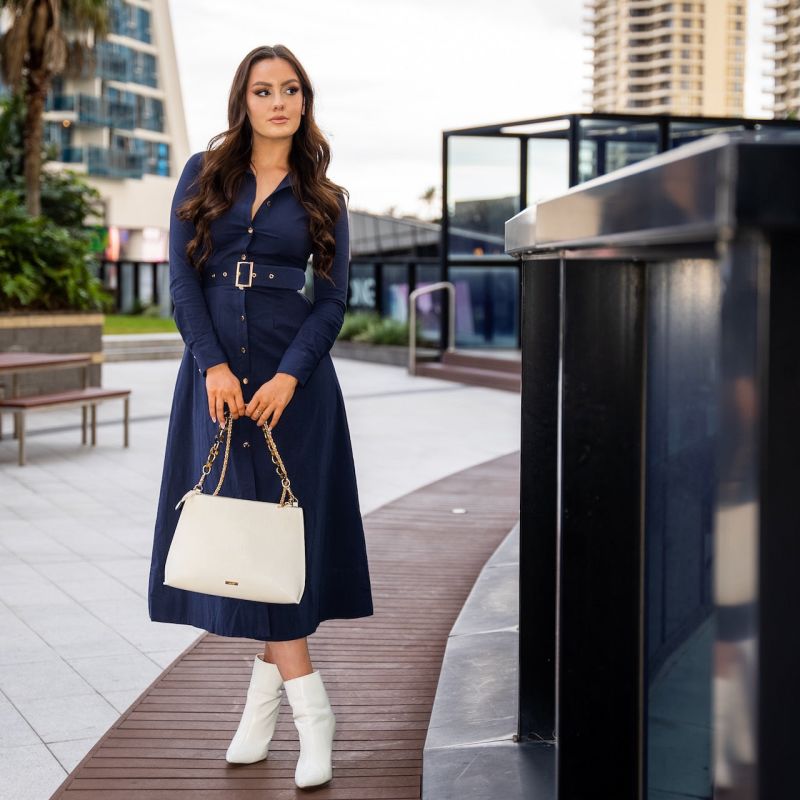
x,y
276,459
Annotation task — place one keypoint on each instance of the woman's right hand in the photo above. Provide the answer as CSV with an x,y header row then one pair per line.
x,y
222,386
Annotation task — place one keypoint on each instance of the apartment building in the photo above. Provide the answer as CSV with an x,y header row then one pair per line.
x,y
660,57
784,38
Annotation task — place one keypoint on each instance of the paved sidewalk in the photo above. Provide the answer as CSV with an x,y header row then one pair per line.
x,y
76,644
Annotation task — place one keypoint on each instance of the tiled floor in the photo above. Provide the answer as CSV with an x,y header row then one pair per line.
x,y
76,644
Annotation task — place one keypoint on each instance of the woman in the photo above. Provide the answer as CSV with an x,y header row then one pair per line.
x,y
245,217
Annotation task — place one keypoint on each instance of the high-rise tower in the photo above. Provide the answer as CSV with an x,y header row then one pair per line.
x,y
785,56
660,57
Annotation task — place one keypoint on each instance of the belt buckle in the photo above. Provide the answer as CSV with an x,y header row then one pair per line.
x,y
249,277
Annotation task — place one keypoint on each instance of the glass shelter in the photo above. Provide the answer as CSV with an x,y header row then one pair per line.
x,y
491,172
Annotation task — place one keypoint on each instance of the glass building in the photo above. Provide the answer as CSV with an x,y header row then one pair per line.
x,y
110,116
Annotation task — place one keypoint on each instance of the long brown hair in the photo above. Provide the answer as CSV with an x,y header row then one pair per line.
x,y
228,158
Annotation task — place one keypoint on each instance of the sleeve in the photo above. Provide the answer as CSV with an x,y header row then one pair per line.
x,y
319,330
190,309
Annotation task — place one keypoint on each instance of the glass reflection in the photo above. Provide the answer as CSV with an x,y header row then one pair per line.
x,y
548,168
482,192
362,287
683,328
487,302
736,529
429,305
395,291
605,145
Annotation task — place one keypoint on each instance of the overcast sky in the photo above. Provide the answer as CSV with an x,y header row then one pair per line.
x,y
390,75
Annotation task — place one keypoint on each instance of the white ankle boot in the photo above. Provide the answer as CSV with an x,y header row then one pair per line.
x,y
316,724
251,741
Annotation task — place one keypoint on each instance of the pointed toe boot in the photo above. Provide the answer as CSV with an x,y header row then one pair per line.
x,y
316,725
251,741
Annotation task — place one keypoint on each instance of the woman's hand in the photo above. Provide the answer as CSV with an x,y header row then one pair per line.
x,y
271,398
222,386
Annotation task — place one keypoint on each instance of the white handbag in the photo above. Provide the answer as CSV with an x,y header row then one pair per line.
x,y
232,547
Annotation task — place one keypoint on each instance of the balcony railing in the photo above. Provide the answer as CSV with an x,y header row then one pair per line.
x,y
104,161
95,111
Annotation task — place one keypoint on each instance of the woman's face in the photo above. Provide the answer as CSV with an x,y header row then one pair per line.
x,y
274,99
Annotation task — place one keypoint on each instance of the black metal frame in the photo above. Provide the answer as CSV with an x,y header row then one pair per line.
x,y
584,444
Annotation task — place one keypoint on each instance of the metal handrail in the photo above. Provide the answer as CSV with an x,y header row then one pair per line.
x,y
412,320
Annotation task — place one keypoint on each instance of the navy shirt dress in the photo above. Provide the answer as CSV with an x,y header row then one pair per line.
x,y
264,328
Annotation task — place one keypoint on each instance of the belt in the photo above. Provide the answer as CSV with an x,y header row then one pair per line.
x,y
247,274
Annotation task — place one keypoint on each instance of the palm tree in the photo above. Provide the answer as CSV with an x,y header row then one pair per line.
x,y
429,196
32,51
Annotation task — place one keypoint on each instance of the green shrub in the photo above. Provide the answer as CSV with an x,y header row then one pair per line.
x,y
44,266
356,322
385,331
46,262
140,309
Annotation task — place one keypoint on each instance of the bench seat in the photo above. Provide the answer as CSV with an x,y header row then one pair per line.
x,y
89,397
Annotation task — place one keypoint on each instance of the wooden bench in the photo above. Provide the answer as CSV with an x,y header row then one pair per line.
x,y
89,397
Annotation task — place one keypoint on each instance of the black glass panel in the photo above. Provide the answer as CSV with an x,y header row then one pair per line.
x,y
362,288
682,369
487,306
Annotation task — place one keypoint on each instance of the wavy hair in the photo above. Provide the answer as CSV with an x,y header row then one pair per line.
x,y
228,157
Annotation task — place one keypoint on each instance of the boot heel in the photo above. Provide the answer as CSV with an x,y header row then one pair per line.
x,y
251,741
316,725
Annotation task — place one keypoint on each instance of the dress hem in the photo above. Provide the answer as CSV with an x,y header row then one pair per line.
x,y
235,635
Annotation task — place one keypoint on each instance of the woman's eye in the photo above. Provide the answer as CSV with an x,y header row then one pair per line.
x,y
293,89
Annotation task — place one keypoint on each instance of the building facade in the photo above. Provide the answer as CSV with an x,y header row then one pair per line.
x,y
784,39
650,56
120,121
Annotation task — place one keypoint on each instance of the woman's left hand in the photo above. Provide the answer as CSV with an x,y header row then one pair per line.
x,y
271,398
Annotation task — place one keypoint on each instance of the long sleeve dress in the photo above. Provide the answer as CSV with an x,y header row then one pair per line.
x,y
265,328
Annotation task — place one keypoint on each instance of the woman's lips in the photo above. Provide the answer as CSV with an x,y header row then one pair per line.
x,y
279,120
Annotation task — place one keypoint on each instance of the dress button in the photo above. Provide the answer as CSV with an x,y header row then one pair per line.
x,y
245,380
244,350
213,274
224,274
249,230
269,202
242,317
271,275
245,444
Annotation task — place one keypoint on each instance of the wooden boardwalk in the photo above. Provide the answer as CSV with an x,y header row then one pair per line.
x,y
381,672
